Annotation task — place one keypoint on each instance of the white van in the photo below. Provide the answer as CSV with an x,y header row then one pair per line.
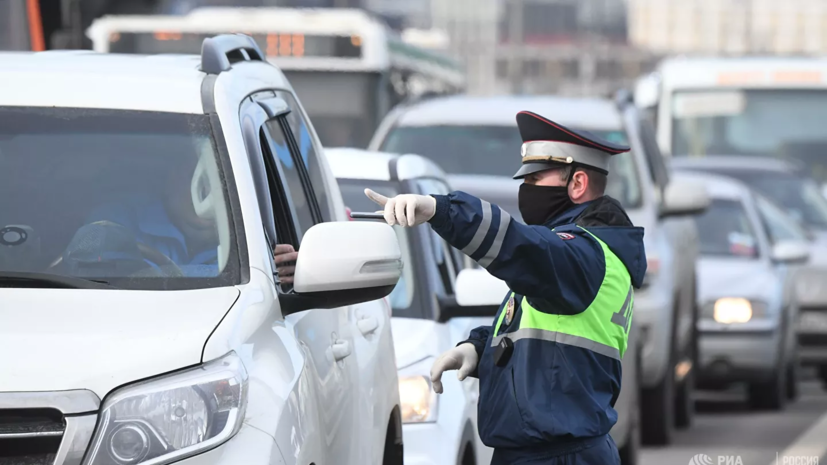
x,y
143,320
427,321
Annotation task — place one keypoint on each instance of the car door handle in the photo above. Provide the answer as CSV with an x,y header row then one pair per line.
x,y
339,350
367,325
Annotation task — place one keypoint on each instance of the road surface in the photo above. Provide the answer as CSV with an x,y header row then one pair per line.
x,y
727,432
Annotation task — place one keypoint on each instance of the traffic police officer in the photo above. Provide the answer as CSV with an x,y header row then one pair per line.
x,y
550,365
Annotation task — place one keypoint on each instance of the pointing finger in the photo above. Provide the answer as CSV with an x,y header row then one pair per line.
x,y
378,198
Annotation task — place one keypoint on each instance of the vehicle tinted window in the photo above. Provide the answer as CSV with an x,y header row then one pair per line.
x,y
309,156
775,123
133,198
291,177
494,150
725,229
353,194
780,226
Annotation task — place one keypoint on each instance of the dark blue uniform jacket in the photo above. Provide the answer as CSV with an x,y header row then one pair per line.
x,y
550,392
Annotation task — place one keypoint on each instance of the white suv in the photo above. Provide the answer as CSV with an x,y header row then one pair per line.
x,y
143,319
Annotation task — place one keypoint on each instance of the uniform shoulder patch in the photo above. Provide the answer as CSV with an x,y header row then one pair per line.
x,y
565,236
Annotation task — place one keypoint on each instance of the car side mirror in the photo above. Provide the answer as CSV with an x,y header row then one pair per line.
x,y
683,197
343,263
790,252
478,294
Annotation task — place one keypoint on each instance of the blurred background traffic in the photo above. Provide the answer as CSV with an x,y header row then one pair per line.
x,y
722,101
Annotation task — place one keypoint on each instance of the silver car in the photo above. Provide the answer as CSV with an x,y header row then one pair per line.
x,y
791,187
750,252
475,140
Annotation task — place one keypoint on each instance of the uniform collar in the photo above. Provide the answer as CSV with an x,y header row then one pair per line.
x,y
568,216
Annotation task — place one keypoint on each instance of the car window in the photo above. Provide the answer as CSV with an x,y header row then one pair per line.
x,y
309,154
798,195
446,257
134,198
298,194
494,150
724,229
402,298
780,226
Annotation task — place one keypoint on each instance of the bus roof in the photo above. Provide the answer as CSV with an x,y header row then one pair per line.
x,y
744,72
381,47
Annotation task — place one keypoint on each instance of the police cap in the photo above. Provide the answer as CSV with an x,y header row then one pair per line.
x,y
548,145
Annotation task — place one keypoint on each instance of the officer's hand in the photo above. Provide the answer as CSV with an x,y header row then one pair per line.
x,y
405,209
462,357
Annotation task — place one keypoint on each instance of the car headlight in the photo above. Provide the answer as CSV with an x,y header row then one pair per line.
x,y
419,401
172,417
729,310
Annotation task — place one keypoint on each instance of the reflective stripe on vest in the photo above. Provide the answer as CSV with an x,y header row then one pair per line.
x,y
602,328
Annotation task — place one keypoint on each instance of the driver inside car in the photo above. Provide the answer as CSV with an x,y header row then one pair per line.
x,y
166,222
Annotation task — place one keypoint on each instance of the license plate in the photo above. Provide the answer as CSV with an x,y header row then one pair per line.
x,y
813,322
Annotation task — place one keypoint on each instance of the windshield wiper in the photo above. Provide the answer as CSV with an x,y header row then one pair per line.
x,y
47,280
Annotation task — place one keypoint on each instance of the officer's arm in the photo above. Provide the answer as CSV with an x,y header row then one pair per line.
x,y
533,260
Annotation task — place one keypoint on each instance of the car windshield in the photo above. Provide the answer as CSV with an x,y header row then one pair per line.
x,y
786,124
799,195
725,230
132,198
492,150
353,193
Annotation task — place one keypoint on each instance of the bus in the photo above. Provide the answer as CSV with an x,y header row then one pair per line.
x,y
347,66
21,27
748,106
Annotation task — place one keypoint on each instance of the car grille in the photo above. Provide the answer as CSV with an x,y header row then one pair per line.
x,y
30,436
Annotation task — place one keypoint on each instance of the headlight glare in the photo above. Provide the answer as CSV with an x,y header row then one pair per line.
x,y
172,417
419,402
730,310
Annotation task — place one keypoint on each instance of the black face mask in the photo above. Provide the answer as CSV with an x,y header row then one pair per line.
x,y
539,204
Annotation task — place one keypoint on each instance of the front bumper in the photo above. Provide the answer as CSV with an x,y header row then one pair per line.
x,y
653,316
249,447
733,356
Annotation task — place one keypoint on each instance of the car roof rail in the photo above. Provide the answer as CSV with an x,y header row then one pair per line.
x,y
220,52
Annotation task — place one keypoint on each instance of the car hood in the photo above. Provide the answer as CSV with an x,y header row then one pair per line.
x,y
722,277
415,340
61,339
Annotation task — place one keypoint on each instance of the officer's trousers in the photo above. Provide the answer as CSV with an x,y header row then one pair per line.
x,y
595,451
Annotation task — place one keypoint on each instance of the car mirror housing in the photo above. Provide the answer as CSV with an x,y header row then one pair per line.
x,y
478,294
343,263
683,197
790,252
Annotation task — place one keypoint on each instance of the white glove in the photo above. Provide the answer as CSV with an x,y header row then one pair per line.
x,y
405,209
462,357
